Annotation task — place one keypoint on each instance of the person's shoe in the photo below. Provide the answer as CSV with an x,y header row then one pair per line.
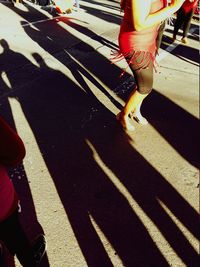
x,y
184,40
68,11
125,122
1,255
38,249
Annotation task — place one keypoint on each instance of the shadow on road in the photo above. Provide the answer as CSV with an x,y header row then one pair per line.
x,y
73,128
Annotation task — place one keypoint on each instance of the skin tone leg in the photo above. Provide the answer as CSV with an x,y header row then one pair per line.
x,y
137,116
144,83
134,102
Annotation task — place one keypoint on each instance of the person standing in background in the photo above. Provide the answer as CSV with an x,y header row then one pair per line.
x,y
183,19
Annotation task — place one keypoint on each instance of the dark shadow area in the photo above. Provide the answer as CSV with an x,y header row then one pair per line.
x,y
184,52
176,125
18,175
193,36
103,41
30,9
85,189
78,179
115,5
149,189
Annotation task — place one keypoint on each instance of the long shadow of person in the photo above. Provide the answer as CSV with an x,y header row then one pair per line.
x,y
55,114
71,143
170,121
148,188
9,82
177,126
177,135
54,39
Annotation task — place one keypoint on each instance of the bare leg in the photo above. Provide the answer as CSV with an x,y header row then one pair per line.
x,y
132,105
144,81
137,116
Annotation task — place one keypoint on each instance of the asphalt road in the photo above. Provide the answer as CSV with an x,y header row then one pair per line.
x,y
102,197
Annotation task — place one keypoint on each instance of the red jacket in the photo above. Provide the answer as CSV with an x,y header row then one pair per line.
x,y
12,152
188,6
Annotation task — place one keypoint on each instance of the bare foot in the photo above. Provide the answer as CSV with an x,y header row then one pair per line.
x,y
125,121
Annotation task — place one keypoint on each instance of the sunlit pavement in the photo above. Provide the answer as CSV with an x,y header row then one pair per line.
x,y
103,197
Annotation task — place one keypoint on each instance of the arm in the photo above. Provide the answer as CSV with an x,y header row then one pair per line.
x,y
141,17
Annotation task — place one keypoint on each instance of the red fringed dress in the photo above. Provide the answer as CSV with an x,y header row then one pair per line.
x,y
134,44
12,152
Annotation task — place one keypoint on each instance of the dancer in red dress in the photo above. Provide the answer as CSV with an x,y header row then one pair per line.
x,y
137,42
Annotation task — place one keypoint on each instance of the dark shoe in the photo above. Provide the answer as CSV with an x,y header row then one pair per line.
x,y
1,256
31,255
38,249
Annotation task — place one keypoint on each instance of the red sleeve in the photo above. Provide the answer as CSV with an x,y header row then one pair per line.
x,y
188,6
12,150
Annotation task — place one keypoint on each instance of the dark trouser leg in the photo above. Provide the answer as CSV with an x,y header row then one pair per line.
x,y
187,23
143,78
15,239
180,18
144,84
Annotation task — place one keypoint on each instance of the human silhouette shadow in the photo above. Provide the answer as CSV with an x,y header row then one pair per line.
x,y
55,108
177,126
178,137
83,187
18,174
54,39
69,128
148,188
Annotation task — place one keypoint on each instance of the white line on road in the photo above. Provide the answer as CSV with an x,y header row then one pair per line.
x,y
40,21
